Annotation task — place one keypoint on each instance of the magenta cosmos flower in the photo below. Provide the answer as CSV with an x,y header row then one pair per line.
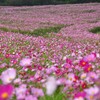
x,y
88,68
83,63
80,96
6,91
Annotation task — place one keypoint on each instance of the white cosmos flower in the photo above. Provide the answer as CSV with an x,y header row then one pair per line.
x,y
8,75
51,85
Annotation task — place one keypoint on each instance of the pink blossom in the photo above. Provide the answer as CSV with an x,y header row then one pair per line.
x,y
80,96
92,90
83,63
21,91
30,97
61,81
90,58
6,91
8,75
88,68
26,62
3,65
93,75
37,92
71,78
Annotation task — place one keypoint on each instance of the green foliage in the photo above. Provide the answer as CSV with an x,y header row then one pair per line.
x,y
95,30
0,82
89,11
58,95
44,31
41,2
2,69
4,29
37,32
19,2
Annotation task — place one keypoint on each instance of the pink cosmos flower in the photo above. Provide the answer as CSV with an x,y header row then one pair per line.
x,y
17,81
30,97
6,91
26,62
83,75
58,72
93,75
8,75
66,65
68,61
90,57
79,98
49,71
83,85
71,78
61,81
92,90
76,78
7,55
21,92
3,65
37,92
40,67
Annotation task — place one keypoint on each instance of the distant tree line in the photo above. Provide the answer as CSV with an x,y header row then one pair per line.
x,y
42,2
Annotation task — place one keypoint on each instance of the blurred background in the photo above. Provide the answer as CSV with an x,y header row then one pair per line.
x,y
42,2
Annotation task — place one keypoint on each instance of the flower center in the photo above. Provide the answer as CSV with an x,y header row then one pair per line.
x,y
70,79
83,76
80,98
91,97
83,63
10,79
89,68
4,95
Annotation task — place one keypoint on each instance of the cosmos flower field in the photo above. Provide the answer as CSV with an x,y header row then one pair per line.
x,y
50,52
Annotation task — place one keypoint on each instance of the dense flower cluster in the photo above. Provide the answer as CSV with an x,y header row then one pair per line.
x,y
65,66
